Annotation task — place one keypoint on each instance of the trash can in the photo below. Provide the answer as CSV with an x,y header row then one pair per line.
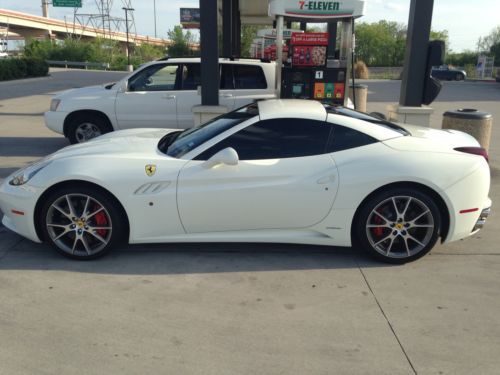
x,y
470,121
361,93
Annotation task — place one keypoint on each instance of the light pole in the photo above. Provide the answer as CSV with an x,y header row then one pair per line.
x,y
129,67
154,11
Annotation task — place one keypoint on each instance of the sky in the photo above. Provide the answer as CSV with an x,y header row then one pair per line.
x,y
465,20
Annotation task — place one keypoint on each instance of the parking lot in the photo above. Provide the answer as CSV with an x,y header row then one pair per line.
x,y
243,309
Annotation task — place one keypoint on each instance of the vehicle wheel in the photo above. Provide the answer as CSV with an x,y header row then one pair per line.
x,y
398,225
84,127
81,222
459,77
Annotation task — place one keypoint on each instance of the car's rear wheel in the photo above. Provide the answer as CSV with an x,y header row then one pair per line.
x,y
459,77
81,222
85,126
398,226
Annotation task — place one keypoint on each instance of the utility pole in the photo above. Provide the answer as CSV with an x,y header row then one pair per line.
x,y
154,11
129,67
45,8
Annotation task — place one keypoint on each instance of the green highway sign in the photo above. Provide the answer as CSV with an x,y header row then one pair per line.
x,y
67,3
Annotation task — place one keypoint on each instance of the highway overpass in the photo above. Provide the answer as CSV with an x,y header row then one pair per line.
x,y
30,26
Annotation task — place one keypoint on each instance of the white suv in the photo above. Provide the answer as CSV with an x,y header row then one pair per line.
x,y
159,94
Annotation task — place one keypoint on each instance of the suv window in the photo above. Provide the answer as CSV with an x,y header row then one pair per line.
x,y
249,77
191,76
276,139
158,77
226,77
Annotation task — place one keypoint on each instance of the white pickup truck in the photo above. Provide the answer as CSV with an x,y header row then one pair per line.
x,y
159,94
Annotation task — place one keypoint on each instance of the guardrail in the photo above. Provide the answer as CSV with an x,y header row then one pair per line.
x,y
78,64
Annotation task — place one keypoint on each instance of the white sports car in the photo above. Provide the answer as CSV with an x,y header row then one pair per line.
x,y
289,171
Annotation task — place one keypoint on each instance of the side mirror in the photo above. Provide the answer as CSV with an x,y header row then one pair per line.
x,y
124,86
227,156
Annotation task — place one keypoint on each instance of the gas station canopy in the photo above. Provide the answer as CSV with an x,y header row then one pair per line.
x,y
312,9
263,12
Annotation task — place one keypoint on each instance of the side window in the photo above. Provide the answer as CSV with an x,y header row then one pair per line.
x,y
276,139
157,77
344,138
191,76
226,77
249,77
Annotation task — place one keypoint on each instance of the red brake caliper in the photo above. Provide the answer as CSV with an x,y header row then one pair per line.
x,y
101,221
378,231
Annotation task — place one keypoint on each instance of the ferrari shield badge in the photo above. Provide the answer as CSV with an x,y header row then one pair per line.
x,y
150,169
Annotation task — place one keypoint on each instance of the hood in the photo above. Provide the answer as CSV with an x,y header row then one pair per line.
x,y
120,143
79,91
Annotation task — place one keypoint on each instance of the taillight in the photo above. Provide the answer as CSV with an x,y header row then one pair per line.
x,y
474,150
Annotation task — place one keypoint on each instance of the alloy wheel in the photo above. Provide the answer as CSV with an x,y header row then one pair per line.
x,y
400,227
87,131
79,225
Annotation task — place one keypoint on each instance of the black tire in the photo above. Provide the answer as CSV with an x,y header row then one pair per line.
x,y
459,77
87,231
389,228
85,126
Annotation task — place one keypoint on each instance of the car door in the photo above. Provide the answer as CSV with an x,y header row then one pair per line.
x,y
284,180
150,99
188,96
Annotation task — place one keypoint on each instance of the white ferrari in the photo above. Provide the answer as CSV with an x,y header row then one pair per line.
x,y
287,171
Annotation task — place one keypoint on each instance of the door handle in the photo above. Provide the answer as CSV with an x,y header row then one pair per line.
x,y
226,95
326,179
167,96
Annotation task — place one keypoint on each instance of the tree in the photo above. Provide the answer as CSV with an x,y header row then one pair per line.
x,y
462,58
381,43
484,44
180,42
495,51
248,34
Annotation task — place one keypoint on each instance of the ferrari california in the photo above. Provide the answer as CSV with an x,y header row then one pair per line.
x,y
276,171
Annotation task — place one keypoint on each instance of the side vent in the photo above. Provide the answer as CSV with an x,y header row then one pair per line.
x,y
152,188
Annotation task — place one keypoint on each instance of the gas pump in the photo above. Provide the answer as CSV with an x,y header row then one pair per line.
x,y
315,71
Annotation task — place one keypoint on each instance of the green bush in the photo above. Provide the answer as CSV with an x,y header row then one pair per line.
x,y
97,50
22,68
37,67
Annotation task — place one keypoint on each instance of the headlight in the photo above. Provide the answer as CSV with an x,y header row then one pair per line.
x,y
25,174
54,103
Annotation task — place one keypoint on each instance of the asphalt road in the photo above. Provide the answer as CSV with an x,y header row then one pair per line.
x,y
58,79
243,309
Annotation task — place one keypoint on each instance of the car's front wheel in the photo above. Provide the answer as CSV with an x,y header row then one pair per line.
x,y
398,225
81,222
459,77
83,127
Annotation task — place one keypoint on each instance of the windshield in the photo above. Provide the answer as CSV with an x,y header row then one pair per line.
x,y
365,117
178,144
